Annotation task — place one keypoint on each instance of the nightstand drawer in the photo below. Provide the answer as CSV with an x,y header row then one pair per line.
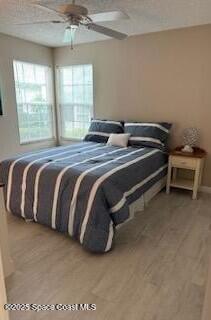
x,y
183,162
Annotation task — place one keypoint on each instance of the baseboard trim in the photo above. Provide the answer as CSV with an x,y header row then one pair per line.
x,y
205,189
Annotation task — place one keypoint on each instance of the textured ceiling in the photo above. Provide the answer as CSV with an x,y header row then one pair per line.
x,y
145,16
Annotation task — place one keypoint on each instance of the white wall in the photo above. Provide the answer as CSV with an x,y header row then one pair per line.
x,y
163,76
16,49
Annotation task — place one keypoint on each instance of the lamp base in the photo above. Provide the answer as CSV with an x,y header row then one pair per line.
x,y
188,149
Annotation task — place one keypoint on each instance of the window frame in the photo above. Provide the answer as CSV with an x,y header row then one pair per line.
x,y
51,95
58,99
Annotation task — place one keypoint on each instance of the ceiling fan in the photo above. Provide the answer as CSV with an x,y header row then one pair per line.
x,y
73,16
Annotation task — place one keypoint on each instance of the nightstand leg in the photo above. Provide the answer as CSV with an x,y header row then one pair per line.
x,y
201,171
168,179
196,181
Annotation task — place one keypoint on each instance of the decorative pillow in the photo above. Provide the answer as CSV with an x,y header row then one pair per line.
x,y
100,130
148,134
118,139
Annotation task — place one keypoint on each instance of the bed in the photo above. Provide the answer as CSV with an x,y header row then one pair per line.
x,y
85,190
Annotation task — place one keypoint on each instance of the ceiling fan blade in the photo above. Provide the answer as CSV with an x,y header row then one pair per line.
x,y
108,16
106,31
39,22
50,10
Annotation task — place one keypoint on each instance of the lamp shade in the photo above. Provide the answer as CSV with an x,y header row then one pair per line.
x,y
190,137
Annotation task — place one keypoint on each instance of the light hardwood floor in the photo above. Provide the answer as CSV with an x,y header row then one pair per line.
x,y
157,271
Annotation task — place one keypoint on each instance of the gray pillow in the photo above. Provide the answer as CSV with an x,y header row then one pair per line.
x,y
150,134
100,130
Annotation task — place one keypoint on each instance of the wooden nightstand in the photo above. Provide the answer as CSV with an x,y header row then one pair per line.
x,y
193,161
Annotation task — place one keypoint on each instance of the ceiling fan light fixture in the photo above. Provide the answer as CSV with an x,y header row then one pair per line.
x,y
69,34
74,26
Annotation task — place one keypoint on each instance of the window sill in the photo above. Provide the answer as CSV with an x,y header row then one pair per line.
x,y
38,141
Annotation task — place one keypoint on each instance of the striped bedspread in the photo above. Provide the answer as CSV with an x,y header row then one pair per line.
x,y
84,189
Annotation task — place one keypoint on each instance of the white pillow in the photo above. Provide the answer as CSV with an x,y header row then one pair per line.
x,y
118,139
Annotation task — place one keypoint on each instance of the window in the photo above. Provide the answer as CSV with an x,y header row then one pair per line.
x,y
76,100
34,101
